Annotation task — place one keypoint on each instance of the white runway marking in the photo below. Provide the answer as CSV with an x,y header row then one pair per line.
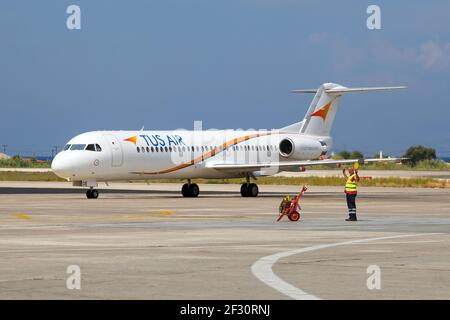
x,y
262,269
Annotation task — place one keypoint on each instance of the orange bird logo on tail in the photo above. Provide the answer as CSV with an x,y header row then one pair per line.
x,y
322,112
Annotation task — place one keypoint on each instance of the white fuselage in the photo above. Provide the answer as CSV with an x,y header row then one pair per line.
x,y
143,155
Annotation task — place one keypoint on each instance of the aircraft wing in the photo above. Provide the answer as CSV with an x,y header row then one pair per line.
x,y
287,165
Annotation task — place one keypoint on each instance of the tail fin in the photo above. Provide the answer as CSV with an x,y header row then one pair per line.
x,y
320,116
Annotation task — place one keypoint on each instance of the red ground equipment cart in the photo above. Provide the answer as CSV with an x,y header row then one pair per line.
x,y
290,207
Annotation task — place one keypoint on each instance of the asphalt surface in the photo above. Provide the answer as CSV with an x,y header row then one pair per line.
x,y
139,241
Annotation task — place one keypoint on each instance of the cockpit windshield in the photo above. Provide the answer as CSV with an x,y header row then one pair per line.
x,y
89,147
78,147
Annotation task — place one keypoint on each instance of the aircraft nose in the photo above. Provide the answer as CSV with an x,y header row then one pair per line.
x,y
61,166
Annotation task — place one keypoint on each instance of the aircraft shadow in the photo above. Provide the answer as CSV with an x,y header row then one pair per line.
x,y
171,193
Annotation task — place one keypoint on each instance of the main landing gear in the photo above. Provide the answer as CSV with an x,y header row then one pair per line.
x,y
249,189
92,193
190,190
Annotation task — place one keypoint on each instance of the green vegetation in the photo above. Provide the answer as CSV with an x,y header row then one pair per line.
x,y
355,154
424,165
18,162
310,181
420,158
419,153
28,176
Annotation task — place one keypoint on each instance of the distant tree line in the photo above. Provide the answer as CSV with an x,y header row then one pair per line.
x,y
419,153
415,155
344,154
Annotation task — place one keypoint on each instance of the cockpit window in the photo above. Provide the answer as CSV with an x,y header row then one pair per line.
x,y
90,147
77,147
98,148
66,147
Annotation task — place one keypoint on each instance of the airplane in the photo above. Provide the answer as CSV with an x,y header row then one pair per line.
x,y
104,156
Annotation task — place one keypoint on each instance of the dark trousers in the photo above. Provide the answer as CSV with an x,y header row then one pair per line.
x,y
351,204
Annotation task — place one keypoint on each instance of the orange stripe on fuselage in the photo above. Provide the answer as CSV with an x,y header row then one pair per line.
x,y
209,154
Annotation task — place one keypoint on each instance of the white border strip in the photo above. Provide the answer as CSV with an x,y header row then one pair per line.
x,y
262,269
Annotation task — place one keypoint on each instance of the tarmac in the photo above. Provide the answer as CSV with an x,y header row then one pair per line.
x,y
139,241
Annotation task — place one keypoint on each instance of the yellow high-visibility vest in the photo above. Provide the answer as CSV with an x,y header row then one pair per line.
x,y
351,184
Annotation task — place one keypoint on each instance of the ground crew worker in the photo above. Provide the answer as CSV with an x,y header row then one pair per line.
x,y
350,192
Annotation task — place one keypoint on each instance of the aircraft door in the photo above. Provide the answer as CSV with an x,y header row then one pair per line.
x,y
116,150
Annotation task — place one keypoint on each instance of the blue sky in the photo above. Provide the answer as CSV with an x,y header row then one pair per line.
x,y
231,64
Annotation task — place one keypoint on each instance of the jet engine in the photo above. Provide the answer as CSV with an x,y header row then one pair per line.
x,y
301,148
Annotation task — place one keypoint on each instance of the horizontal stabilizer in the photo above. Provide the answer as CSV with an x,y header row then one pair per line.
x,y
341,89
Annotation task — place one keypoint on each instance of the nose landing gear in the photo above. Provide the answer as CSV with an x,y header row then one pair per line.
x,y
92,193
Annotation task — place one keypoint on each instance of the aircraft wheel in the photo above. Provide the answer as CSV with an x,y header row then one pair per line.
x,y
194,190
244,188
252,190
190,190
185,190
249,190
94,194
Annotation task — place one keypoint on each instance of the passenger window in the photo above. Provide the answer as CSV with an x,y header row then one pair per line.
x,y
99,149
148,149
138,149
153,150
90,147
